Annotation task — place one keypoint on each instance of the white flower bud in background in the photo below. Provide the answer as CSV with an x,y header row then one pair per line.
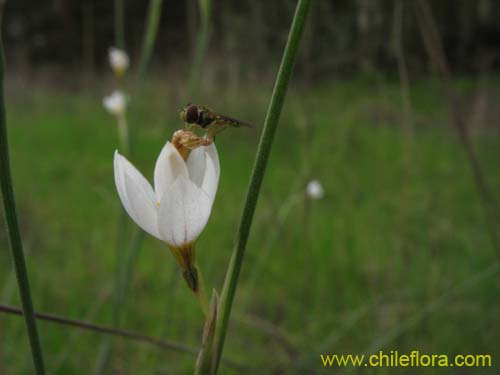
x,y
315,190
115,103
119,61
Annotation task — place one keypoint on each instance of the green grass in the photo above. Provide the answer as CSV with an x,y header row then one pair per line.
x,y
400,227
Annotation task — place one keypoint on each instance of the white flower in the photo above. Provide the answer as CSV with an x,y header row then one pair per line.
x,y
178,208
115,103
119,60
315,190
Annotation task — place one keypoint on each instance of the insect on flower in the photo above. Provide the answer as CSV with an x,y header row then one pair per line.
x,y
177,210
209,120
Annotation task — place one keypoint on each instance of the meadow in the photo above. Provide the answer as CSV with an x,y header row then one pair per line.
x,y
396,256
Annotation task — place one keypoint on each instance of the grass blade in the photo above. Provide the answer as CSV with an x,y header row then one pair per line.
x,y
259,168
13,229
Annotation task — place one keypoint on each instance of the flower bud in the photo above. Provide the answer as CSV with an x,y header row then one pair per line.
x,y
115,103
315,190
119,61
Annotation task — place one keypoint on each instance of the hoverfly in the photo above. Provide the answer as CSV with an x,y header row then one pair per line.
x,y
208,120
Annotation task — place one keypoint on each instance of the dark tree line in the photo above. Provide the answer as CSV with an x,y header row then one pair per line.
x,y
343,35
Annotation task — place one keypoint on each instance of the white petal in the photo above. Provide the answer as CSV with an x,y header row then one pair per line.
x,y
204,169
315,190
136,195
144,208
211,178
184,212
115,103
118,58
196,165
120,181
169,166
212,151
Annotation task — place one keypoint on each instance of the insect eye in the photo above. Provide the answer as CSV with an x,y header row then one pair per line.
x,y
191,114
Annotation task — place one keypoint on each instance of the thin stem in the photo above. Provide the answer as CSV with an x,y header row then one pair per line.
x,y
201,48
121,276
131,335
120,24
123,134
153,20
13,229
263,152
165,344
201,295
124,276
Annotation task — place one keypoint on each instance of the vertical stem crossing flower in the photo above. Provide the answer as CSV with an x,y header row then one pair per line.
x,y
178,208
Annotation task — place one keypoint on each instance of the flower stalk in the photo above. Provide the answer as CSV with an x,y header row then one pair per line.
x,y
14,233
123,132
259,168
116,105
205,363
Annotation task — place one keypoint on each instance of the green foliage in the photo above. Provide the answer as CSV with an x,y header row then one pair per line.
x,y
15,240
262,155
398,228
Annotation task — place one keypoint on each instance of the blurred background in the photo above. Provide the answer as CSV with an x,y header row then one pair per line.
x,y
400,252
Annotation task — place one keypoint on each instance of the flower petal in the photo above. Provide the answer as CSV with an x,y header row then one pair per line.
x,y
211,178
184,212
120,181
212,152
204,169
145,209
196,165
136,195
169,166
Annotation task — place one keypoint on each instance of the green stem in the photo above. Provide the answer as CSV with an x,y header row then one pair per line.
x,y
119,24
122,272
201,295
105,330
201,49
123,275
14,234
123,134
148,42
263,152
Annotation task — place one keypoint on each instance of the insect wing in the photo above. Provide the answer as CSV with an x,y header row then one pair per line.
x,y
223,119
